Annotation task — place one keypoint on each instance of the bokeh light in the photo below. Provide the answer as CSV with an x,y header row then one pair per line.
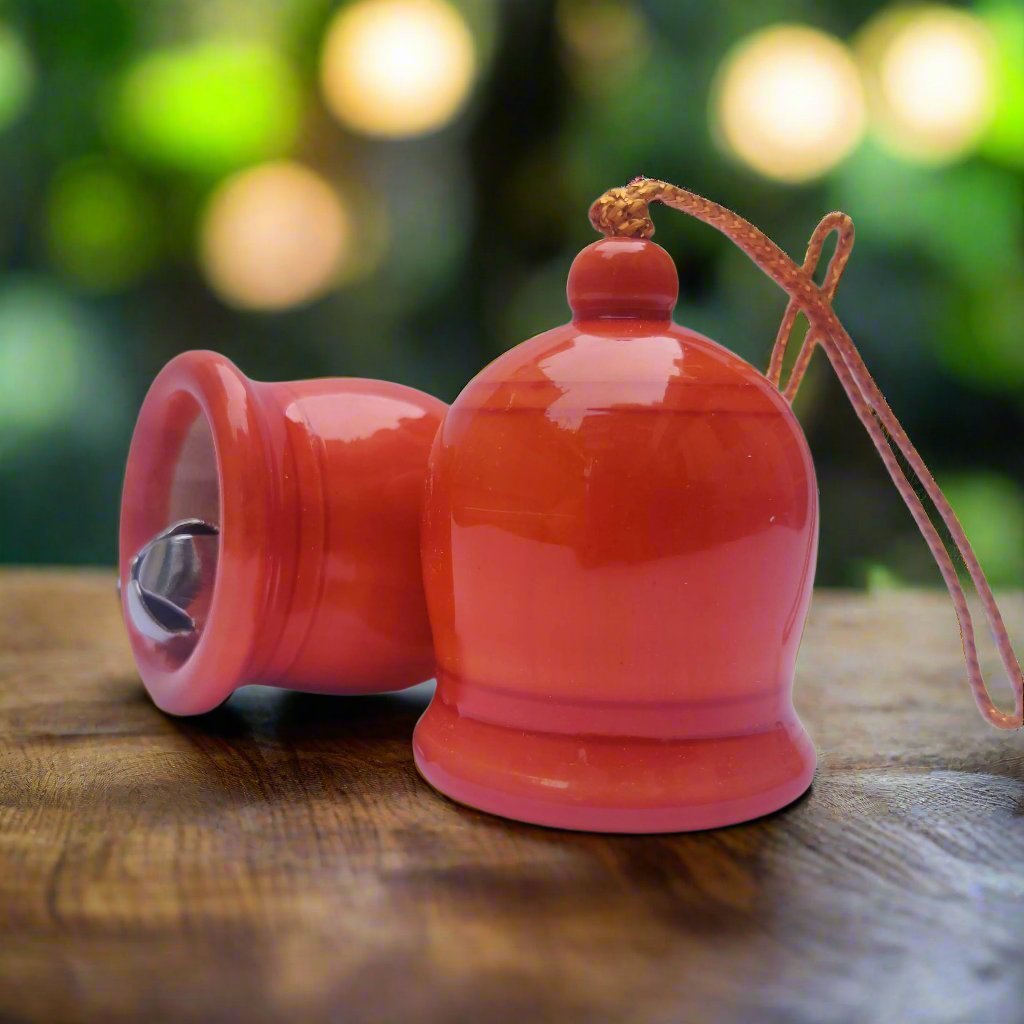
x,y
209,107
605,41
982,340
102,225
275,236
990,508
930,80
397,68
966,219
789,103
43,359
1004,139
16,75
880,577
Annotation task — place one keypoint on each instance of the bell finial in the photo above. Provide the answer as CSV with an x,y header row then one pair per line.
x,y
623,277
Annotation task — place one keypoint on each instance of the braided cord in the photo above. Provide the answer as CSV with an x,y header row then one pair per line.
x,y
625,211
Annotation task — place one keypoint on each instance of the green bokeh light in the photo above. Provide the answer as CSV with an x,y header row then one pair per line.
x,y
1005,137
57,375
968,222
968,219
982,343
16,76
42,358
102,226
991,509
209,107
879,578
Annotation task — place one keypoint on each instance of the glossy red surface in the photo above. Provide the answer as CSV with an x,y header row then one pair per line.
x,y
317,489
619,542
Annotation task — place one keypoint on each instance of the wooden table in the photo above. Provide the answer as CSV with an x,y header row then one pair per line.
x,y
280,859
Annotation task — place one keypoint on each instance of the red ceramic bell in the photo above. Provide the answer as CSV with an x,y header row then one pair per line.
x,y
619,543
270,534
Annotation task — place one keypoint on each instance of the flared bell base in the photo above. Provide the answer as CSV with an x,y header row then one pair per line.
x,y
618,783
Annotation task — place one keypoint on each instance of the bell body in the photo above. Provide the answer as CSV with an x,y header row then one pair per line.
x,y
619,542
314,492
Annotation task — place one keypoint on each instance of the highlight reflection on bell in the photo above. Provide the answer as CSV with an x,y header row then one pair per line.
x,y
270,533
619,541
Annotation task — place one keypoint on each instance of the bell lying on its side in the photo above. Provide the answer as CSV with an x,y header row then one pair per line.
x,y
619,542
270,534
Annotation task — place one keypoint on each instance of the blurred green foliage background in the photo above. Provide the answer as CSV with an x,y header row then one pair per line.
x,y
373,189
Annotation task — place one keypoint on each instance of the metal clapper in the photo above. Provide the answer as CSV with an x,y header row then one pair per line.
x,y
169,576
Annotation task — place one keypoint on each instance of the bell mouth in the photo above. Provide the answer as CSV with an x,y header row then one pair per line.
x,y
189,594
172,576
611,783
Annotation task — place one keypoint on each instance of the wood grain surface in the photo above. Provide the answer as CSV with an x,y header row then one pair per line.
x,y
280,860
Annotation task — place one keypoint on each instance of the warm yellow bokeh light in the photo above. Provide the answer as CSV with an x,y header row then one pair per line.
x,y
605,41
789,103
274,236
397,68
930,79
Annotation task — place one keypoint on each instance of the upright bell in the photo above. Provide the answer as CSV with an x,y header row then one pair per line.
x,y
619,543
